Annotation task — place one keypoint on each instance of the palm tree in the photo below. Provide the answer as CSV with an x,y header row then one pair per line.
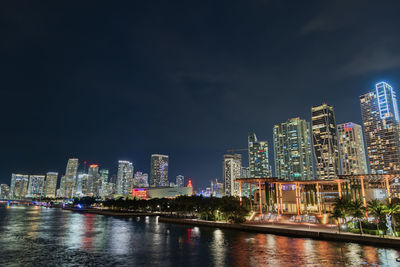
x,y
337,215
376,208
340,210
391,209
357,212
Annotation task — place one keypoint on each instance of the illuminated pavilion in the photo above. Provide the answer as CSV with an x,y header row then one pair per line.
x,y
318,196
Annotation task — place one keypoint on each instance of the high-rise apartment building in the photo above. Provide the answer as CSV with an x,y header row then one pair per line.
x,y
19,185
324,137
231,170
94,181
51,184
104,175
68,181
4,191
351,149
36,186
258,157
380,117
141,179
292,150
180,181
72,167
124,177
159,170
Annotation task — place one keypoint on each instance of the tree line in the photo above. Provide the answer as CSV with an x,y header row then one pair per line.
x,y
213,209
352,214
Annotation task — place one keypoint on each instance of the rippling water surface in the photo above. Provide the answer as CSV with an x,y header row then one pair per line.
x,y
32,236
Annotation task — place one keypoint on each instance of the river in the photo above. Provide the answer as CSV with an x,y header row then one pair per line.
x,y
35,236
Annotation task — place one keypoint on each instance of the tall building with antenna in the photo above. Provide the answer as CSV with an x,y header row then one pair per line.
x,y
258,157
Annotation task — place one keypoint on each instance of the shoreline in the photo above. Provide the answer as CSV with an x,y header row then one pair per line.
x,y
297,233
264,229
112,213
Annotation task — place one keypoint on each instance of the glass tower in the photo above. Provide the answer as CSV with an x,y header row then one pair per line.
x,y
19,185
231,168
36,186
324,137
51,184
258,157
380,117
124,177
292,150
159,170
351,149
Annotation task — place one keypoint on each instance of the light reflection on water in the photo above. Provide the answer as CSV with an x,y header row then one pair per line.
x,y
40,236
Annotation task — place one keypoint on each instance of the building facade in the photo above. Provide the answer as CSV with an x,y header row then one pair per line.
x,y
231,170
51,185
180,181
4,191
351,149
159,170
19,185
68,181
36,186
141,180
258,157
292,150
124,177
324,137
380,117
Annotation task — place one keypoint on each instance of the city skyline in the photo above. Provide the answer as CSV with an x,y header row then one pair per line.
x,y
321,114
115,95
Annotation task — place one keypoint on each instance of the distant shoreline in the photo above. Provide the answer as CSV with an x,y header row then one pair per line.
x,y
297,233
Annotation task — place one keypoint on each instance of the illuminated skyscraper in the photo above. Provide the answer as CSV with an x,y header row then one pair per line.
x,y
324,136
380,117
72,167
94,181
124,177
104,174
231,170
4,191
159,170
141,179
36,186
351,149
180,181
19,185
258,157
68,181
292,150
51,184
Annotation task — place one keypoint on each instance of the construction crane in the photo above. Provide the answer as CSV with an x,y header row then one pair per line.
x,y
233,150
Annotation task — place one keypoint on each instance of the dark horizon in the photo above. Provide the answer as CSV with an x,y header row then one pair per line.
x,y
109,81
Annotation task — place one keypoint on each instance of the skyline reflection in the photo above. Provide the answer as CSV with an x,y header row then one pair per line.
x,y
54,235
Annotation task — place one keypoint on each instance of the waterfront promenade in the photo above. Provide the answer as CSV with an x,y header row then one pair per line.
x,y
293,230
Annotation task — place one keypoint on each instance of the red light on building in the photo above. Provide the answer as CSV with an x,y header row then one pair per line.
x,y
139,193
189,184
94,165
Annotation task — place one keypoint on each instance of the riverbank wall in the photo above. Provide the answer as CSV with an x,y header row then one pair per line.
x,y
319,235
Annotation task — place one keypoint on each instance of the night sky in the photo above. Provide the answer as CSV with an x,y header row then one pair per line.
x,y
104,81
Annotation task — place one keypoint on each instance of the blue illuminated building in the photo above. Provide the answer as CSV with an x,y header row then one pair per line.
x,y
380,116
